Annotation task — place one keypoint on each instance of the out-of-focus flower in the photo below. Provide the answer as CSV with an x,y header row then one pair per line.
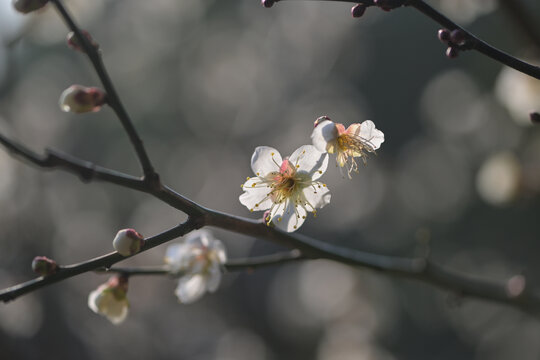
x,y
287,187
519,93
26,6
498,181
110,299
199,260
355,141
128,242
44,266
80,99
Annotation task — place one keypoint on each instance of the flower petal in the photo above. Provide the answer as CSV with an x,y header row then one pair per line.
x,y
213,277
289,217
308,160
324,134
190,288
256,195
368,132
179,256
265,160
117,311
219,249
317,196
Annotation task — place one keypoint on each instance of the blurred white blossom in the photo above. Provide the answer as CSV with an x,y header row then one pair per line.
x,y
519,93
355,141
287,187
110,300
498,180
199,260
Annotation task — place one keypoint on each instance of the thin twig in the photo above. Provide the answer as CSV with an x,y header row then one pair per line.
x,y
112,96
473,42
412,268
250,263
104,261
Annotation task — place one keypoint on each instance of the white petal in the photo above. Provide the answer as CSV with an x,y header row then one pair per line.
x,y
317,197
219,249
323,134
308,160
178,256
286,218
255,195
93,299
117,311
213,277
371,134
265,160
191,288
199,238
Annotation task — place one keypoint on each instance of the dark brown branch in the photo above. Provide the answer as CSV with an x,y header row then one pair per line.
x,y
473,42
105,261
87,171
112,96
412,268
250,263
476,43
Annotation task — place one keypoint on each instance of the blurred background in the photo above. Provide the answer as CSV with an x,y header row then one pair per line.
x,y
206,81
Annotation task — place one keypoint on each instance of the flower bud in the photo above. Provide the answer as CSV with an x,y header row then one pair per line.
x,y
452,52
444,35
457,36
79,99
74,43
43,265
26,6
128,242
358,10
110,299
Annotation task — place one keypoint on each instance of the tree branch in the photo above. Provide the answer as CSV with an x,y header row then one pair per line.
x,y
104,261
473,42
250,263
411,268
112,96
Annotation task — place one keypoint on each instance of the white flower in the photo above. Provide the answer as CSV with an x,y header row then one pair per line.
x,y
355,141
200,259
110,300
128,242
288,188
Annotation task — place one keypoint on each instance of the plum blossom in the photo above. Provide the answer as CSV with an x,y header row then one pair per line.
x,y
355,141
199,260
110,299
286,187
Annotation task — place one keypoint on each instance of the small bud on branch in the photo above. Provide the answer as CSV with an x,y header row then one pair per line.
x,y
44,266
74,43
128,242
358,10
79,99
